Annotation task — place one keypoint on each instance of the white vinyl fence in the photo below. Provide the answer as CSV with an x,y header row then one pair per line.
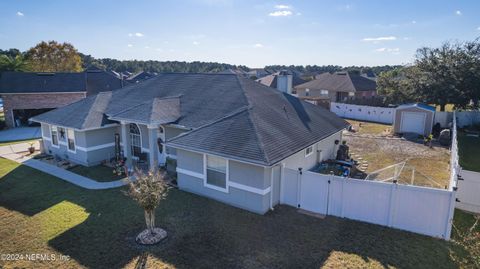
x,y
468,192
364,113
421,210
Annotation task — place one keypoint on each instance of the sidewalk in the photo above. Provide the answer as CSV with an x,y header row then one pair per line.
x,y
9,152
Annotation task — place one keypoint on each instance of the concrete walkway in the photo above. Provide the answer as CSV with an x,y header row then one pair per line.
x,y
20,133
9,152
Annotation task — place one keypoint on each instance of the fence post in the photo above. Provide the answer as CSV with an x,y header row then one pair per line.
x,y
451,210
391,206
299,186
342,198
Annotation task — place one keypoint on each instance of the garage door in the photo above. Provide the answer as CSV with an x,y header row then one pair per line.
x,y
413,122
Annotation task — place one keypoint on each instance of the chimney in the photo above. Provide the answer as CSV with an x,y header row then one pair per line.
x,y
284,81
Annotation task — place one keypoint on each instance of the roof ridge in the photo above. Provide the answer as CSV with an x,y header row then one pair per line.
x,y
260,141
351,82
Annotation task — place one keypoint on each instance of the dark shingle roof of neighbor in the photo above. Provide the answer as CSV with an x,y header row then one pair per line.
x,y
271,80
228,115
340,82
91,82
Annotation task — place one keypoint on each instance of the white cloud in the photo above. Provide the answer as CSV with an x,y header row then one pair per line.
x,y
20,14
478,28
283,7
414,22
458,13
258,45
381,38
129,45
195,43
147,47
280,13
137,34
407,38
391,50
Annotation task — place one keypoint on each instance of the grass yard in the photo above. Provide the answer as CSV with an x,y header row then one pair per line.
x,y
42,214
99,173
469,151
370,127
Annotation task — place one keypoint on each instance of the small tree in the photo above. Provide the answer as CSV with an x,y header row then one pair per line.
x,y
148,189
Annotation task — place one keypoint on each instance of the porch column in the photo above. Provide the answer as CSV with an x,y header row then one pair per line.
x,y
153,146
127,153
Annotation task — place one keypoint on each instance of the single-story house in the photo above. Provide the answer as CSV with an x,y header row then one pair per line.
x,y
414,118
338,87
26,94
230,135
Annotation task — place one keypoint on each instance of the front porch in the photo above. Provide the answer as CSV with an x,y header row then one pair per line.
x,y
143,146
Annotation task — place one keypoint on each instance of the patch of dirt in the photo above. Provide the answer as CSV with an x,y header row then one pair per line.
x,y
380,153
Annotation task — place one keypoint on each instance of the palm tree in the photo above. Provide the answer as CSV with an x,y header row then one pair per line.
x,y
148,190
17,63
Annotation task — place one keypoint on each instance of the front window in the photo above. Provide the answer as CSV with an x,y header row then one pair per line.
x,y
135,140
217,171
61,134
54,134
324,92
71,139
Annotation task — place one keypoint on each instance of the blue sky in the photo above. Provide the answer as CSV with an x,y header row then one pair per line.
x,y
253,33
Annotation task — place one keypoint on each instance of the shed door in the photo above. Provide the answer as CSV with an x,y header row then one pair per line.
x,y
413,122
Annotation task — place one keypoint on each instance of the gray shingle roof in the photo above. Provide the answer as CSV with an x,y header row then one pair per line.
x,y
228,115
91,82
85,114
154,111
340,82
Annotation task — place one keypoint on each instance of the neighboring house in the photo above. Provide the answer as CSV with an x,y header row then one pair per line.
x,y
28,94
283,80
338,87
140,76
257,73
230,135
369,74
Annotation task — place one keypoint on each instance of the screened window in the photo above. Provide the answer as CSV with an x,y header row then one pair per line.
x,y
217,171
308,151
54,135
71,139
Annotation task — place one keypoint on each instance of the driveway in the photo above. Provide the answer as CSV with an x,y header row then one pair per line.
x,y
20,133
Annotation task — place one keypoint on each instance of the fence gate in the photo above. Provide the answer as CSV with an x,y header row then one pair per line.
x,y
468,194
314,192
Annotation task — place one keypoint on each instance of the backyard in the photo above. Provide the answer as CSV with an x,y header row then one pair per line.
x,y
42,214
469,150
431,165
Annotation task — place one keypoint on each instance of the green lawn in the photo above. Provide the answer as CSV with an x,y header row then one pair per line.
x,y
99,173
469,150
42,214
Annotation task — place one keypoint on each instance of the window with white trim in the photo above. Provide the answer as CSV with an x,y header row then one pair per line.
x,y
71,139
308,151
323,92
216,172
54,135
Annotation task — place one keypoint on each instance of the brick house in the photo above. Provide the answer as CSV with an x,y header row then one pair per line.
x,y
338,87
27,94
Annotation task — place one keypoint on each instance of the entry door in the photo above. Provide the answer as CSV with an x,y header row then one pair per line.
x,y
413,122
161,145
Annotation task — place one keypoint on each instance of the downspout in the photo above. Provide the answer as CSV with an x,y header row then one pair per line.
x,y
271,188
